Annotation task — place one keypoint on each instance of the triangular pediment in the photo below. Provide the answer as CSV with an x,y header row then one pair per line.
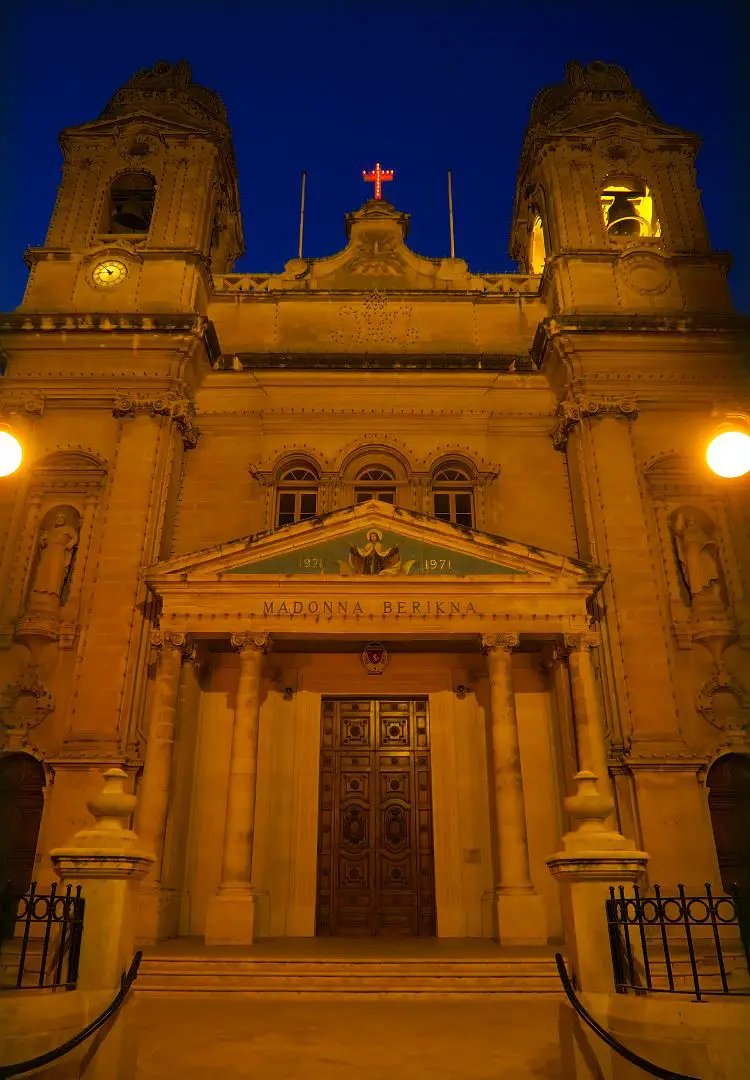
x,y
375,541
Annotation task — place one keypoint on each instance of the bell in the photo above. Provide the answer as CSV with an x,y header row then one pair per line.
x,y
132,215
622,219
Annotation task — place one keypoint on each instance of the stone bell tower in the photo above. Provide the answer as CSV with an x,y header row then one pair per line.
x,y
607,203
148,204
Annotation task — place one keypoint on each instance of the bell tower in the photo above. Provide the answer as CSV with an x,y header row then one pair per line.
x,y
607,203
147,206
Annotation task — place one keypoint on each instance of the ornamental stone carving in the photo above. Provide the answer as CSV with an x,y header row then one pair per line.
x,y
643,272
724,702
23,706
506,642
576,408
21,401
259,642
180,410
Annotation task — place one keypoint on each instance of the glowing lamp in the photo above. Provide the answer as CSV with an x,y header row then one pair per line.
x,y
11,452
728,453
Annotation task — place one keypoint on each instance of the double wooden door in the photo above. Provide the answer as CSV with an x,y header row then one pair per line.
x,y
375,854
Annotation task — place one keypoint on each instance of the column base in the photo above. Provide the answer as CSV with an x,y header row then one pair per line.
x,y
521,918
230,918
158,914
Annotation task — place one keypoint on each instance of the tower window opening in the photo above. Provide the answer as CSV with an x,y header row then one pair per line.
x,y
130,205
628,210
537,247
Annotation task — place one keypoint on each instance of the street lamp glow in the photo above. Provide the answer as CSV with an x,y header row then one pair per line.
x,y
11,453
728,454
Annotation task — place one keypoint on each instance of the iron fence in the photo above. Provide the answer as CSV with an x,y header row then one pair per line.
x,y
40,937
679,944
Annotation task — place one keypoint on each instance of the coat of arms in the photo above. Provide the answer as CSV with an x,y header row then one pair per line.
x,y
374,657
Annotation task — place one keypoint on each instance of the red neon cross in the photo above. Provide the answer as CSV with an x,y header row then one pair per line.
x,y
377,177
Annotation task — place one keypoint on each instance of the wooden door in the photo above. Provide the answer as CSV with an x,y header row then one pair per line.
x,y
375,856
21,805
728,782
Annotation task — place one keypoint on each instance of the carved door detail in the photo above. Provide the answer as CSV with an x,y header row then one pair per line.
x,y
375,855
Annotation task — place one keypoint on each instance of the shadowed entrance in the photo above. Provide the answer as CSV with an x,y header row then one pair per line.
x,y
375,850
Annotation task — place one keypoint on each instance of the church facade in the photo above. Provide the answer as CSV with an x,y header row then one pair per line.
x,y
353,567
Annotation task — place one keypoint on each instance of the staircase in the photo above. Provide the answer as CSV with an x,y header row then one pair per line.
x,y
320,968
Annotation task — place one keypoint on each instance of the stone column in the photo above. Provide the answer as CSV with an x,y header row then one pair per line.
x,y
109,860
156,900
520,914
230,917
588,716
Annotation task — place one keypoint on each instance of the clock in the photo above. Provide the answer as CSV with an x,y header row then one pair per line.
x,y
107,274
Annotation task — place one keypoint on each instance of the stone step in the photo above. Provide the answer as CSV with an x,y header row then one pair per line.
x,y
408,976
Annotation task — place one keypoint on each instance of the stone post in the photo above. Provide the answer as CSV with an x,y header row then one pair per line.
x,y
520,913
593,858
230,919
108,860
153,793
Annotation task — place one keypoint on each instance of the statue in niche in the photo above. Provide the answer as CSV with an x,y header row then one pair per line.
x,y
57,547
698,559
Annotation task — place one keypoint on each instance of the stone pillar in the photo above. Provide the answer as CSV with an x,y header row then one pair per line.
x,y
588,716
156,900
108,860
230,918
520,914
593,858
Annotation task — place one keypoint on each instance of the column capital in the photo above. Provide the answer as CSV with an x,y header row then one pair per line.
x,y
581,641
500,642
250,643
171,640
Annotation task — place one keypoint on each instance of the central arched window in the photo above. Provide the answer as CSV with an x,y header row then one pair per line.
x,y
297,495
453,495
375,482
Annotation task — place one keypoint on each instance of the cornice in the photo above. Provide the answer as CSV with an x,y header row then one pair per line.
x,y
556,325
197,326
513,363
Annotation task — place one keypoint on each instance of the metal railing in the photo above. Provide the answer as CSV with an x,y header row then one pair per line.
x,y
40,937
678,944
614,1044
126,981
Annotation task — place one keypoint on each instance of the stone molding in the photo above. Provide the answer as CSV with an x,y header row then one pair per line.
x,y
573,409
179,410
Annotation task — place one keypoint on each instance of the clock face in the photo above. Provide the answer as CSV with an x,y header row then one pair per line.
x,y
110,273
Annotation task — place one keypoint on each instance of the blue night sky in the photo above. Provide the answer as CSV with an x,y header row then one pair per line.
x,y
333,87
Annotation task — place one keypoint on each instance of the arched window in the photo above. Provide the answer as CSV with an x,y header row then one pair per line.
x,y
297,495
130,204
453,495
375,482
628,209
537,247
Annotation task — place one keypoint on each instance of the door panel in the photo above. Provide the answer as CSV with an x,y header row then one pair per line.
x,y
375,855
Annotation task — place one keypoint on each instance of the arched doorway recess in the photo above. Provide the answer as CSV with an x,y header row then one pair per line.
x,y
22,784
728,783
